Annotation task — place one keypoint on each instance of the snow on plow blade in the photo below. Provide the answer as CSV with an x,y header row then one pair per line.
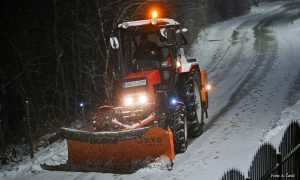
x,y
116,152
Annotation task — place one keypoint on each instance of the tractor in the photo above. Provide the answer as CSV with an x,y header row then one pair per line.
x,y
159,100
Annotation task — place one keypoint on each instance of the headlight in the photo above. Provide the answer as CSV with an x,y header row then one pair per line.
x,y
143,99
128,101
208,87
178,64
137,99
173,101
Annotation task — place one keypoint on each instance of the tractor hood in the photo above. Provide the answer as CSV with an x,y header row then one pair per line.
x,y
151,76
142,81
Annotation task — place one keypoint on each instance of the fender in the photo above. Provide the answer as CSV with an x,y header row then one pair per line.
x,y
200,72
194,67
187,66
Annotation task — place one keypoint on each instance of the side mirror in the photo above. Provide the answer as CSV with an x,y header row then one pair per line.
x,y
191,60
163,32
114,43
163,35
184,30
170,36
184,40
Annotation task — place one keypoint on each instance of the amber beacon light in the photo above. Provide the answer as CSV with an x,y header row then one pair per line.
x,y
154,14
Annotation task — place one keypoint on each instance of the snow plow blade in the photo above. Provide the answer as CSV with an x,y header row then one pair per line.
x,y
115,152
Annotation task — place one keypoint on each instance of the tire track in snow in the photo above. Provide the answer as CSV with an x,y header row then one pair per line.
x,y
263,63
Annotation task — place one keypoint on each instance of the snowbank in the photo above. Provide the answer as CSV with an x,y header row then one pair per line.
x,y
274,135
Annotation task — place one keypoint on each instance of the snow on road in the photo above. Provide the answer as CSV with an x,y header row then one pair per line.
x,y
254,66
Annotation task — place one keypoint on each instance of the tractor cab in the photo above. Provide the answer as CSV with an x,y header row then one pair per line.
x,y
146,54
148,44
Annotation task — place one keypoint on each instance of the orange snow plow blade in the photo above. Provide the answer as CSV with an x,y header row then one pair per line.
x,y
121,152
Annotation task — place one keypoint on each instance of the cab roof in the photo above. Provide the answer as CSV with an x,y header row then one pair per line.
x,y
159,21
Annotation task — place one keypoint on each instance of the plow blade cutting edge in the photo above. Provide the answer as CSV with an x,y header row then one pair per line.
x,y
115,152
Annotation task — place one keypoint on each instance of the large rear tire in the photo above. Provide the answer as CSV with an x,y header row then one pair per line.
x,y
189,86
180,129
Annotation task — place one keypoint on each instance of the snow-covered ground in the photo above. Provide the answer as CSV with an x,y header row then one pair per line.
x,y
254,67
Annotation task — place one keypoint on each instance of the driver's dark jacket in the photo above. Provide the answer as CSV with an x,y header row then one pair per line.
x,y
148,56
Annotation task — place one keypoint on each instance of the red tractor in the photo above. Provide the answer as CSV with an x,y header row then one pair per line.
x,y
159,99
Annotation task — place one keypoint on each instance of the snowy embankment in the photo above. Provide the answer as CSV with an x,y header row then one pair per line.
x,y
228,50
253,64
274,135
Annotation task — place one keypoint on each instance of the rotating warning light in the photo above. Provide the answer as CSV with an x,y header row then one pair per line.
x,y
154,14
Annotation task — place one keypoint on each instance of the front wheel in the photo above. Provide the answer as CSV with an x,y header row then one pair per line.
x,y
180,129
190,93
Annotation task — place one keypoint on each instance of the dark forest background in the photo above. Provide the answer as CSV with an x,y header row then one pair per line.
x,y
55,54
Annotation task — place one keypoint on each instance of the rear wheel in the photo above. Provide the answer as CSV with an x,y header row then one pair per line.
x,y
180,129
190,93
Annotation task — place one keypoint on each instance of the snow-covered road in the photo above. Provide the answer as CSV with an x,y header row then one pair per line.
x,y
254,66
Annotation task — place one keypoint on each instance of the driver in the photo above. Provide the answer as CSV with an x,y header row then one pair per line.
x,y
147,55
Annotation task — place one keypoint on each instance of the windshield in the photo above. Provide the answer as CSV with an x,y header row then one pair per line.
x,y
146,51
